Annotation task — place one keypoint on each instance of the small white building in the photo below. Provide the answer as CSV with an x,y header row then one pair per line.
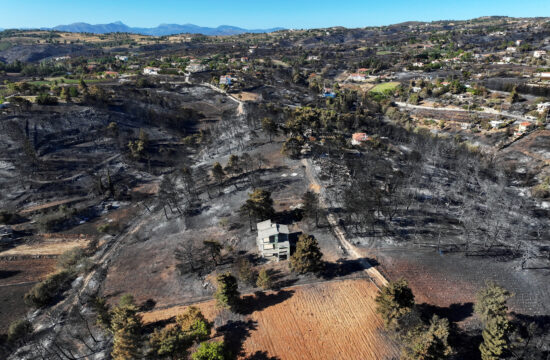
x,y
273,241
121,57
196,68
537,54
357,77
542,107
149,70
511,49
226,80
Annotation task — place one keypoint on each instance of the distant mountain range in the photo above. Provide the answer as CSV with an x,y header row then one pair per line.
x,y
161,30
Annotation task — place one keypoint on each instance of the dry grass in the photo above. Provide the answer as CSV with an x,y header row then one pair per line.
x,y
25,270
51,204
330,320
50,247
247,96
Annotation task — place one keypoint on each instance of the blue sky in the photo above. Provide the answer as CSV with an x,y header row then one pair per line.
x,y
256,13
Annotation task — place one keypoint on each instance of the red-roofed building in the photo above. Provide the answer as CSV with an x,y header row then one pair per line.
x,y
359,138
524,126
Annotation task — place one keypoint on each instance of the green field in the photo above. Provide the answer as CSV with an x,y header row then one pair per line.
x,y
48,81
4,45
384,87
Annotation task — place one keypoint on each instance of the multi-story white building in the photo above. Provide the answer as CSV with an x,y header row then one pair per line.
x,y
273,241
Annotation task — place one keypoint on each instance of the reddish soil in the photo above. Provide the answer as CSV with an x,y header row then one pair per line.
x,y
451,281
329,320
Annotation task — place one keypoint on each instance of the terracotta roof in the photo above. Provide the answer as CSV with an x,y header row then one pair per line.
x,y
360,137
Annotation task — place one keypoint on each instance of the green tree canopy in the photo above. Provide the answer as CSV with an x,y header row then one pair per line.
x,y
270,128
307,257
126,327
210,351
259,205
394,300
217,172
491,302
429,343
264,280
227,293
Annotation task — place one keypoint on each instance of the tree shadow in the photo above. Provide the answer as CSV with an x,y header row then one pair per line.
x,y
261,355
454,312
465,343
261,300
344,267
280,280
235,333
4,274
147,305
541,321
288,217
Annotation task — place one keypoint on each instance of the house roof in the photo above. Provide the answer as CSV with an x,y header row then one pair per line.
x,y
360,136
267,229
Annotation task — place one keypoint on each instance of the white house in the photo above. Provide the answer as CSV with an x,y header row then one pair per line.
x,y
273,241
225,80
357,77
542,107
121,57
195,68
511,49
149,70
539,53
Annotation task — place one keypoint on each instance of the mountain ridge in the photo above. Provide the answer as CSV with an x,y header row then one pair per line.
x,y
160,30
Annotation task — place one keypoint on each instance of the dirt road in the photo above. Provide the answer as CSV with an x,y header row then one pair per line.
x,y
376,277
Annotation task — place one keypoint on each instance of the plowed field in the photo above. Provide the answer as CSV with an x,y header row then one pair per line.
x,y
329,320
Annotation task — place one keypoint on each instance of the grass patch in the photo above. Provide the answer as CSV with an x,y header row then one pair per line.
x,y
383,52
385,87
48,81
5,45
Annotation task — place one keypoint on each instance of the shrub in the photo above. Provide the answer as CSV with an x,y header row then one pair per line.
x,y
542,190
210,351
54,221
45,99
19,329
70,258
264,281
44,293
245,271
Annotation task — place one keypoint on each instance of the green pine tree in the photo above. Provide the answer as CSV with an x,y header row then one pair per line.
x,y
495,338
264,280
307,257
394,300
227,294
